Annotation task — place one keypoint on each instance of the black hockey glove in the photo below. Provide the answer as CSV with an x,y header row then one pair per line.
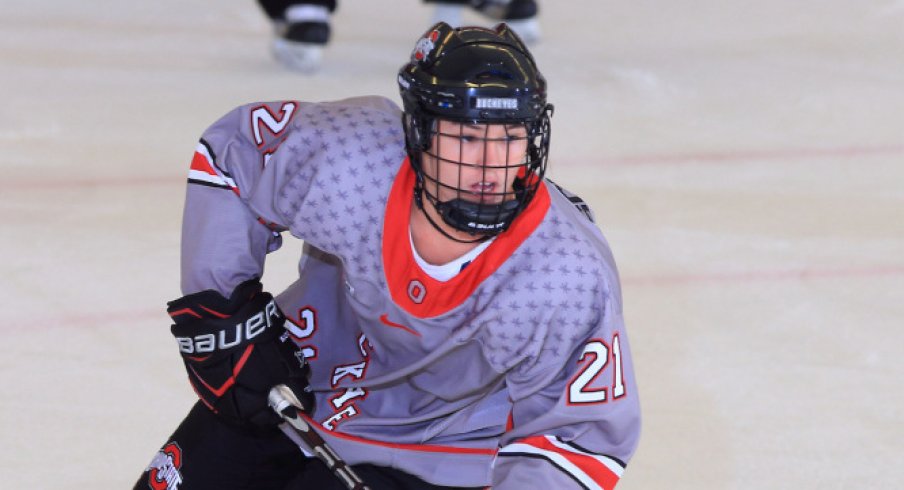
x,y
235,350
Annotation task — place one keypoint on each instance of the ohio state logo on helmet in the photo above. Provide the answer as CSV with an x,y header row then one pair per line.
x,y
163,470
425,46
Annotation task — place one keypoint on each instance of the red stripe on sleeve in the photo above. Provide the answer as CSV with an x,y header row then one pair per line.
x,y
594,468
200,163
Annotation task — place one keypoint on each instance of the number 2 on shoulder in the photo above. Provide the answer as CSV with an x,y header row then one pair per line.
x,y
267,128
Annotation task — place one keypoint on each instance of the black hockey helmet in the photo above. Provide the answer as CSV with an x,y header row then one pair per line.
x,y
478,76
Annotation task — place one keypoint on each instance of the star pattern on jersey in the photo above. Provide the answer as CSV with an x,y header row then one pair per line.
x,y
339,161
551,299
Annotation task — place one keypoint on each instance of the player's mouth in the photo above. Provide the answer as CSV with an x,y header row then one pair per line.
x,y
485,192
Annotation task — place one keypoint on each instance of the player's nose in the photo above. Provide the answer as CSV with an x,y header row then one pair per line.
x,y
494,154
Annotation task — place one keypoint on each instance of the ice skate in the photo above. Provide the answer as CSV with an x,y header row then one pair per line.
x,y
300,39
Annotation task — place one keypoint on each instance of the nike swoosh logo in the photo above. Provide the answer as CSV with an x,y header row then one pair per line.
x,y
385,319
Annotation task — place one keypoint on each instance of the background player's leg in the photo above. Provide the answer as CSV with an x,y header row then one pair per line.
x,y
301,31
204,452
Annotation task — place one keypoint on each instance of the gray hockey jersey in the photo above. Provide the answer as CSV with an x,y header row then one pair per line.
x,y
515,373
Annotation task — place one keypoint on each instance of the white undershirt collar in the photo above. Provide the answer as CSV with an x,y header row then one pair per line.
x,y
447,271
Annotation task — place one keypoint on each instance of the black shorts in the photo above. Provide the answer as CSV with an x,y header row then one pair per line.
x,y
205,453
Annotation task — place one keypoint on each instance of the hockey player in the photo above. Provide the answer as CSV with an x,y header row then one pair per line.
x,y
460,315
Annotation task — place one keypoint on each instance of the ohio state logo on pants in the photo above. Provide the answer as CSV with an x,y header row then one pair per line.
x,y
163,471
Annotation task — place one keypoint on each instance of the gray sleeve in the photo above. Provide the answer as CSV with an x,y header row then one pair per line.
x,y
224,242
270,167
576,417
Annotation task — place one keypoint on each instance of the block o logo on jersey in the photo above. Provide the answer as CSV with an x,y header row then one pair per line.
x,y
163,471
416,291
425,46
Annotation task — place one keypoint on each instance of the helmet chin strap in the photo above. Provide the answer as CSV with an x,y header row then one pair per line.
x,y
477,238
485,219
419,201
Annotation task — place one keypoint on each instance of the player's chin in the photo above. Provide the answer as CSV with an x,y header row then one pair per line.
x,y
484,199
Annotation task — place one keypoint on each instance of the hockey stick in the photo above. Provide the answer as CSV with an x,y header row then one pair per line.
x,y
284,403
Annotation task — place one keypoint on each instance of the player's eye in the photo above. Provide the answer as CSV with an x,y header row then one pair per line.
x,y
516,134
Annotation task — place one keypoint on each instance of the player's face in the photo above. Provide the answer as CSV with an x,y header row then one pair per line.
x,y
475,162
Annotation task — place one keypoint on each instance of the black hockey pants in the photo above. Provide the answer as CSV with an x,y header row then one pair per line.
x,y
204,453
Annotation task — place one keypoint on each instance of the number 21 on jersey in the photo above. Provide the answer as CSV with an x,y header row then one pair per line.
x,y
586,386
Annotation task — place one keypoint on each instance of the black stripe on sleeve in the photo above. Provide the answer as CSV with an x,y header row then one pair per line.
x,y
575,200
213,156
208,184
579,448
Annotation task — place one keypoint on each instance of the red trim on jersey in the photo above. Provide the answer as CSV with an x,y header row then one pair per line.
x,y
599,472
200,163
401,269
384,318
424,448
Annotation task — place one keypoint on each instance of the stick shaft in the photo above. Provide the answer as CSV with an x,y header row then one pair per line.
x,y
286,405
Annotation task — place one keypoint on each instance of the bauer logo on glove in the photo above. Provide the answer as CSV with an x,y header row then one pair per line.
x,y
228,337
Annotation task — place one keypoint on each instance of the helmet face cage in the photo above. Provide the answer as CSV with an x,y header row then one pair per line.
x,y
476,127
479,176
